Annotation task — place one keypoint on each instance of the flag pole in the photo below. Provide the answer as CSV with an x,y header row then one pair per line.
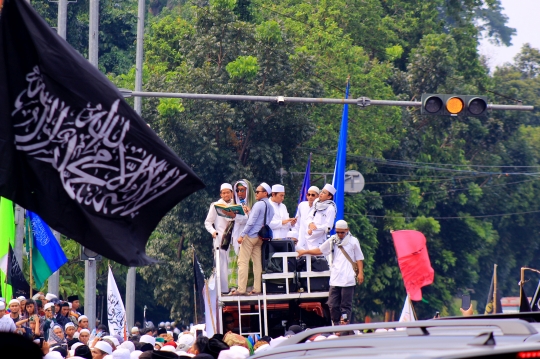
x,y
30,242
495,289
521,282
194,289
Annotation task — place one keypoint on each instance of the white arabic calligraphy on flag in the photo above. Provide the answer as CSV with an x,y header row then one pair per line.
x,y
116,313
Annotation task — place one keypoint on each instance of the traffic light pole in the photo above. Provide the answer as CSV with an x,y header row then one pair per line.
x,y
362,102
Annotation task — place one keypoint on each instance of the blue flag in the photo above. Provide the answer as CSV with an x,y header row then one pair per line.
x,y
306,183
47,255
341,159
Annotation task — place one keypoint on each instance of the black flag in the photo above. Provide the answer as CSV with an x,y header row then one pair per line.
x,y
15,276
73,151
524,305
198,277
535,307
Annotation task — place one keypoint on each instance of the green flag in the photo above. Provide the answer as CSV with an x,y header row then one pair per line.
x,y
7,237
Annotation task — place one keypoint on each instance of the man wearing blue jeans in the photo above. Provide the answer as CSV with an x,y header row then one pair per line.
x,y
342,276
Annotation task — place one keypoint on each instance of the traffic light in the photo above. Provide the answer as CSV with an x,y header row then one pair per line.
x,y
89,255
453,105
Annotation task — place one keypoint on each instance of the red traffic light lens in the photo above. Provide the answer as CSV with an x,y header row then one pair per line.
x,y
433,104
477,106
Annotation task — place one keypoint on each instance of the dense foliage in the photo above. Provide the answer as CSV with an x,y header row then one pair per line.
x,y
452,178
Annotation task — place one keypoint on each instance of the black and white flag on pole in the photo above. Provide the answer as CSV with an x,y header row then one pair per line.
x,y
73,151
116,313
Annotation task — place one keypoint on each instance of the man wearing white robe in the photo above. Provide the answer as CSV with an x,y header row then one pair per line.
x,y
281,223
321,218
216,225
302,216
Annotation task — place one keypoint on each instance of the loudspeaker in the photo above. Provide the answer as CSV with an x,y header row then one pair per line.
x,y
318,264
275,265
277,286
319,284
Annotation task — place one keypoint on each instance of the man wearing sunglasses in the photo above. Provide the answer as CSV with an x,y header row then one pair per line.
x,y
321,217
216,225
342,276
302,215
251,244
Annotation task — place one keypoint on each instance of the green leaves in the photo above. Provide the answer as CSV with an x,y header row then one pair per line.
x,y
269,32
244,67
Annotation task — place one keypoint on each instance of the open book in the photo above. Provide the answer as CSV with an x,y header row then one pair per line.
x,y
222,209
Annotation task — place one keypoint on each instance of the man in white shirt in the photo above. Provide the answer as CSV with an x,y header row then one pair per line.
x,y
321,217
281,223
342,276
302,216
6,323
216,225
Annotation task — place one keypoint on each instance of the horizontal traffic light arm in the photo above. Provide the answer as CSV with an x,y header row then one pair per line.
x,y
282,100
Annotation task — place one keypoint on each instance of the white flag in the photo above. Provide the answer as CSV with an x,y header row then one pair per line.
x,y
116,313
407,315
210,306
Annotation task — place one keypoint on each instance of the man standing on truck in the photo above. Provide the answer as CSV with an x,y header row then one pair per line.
x,y
347,268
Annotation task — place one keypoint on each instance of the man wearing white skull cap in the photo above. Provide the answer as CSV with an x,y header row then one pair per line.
x,y
346,250
280,223
216,226
302,215
6,324
321,218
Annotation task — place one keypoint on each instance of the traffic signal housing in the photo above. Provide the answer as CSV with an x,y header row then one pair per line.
x,y
454,105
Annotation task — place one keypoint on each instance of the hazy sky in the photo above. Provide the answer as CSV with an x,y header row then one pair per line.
x,y
524,17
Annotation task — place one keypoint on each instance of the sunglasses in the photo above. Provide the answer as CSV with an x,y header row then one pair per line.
x,y
341,232
311,195
260,191
240,190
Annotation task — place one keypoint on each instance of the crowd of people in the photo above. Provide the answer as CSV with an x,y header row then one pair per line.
x,y
238,238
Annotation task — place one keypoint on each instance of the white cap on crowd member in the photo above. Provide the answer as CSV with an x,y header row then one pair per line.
x,y
36,296
185,341
82,317
50,296
341,224
234,352
314,188
75,346
103,346
76,335
121,354
223,186
134,330
49,305
330,188
13,301
266,187
128,345
292,234
278,188
135,354
84,331
70,324
148,339
21,298
112,339
2,305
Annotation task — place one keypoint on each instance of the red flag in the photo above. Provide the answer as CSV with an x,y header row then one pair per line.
x,y
413,261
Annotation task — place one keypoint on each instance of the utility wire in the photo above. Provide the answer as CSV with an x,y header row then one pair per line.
x,y
451,217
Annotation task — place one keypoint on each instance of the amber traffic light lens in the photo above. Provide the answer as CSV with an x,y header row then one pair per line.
x,y
477,106
433,104
454,105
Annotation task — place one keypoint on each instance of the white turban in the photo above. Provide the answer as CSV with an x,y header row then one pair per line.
x,y
266,187
330,188
84,331
341,224
13,301
223,186
70,324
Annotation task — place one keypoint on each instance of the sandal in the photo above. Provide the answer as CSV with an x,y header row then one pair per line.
x,y
235,293
254,293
